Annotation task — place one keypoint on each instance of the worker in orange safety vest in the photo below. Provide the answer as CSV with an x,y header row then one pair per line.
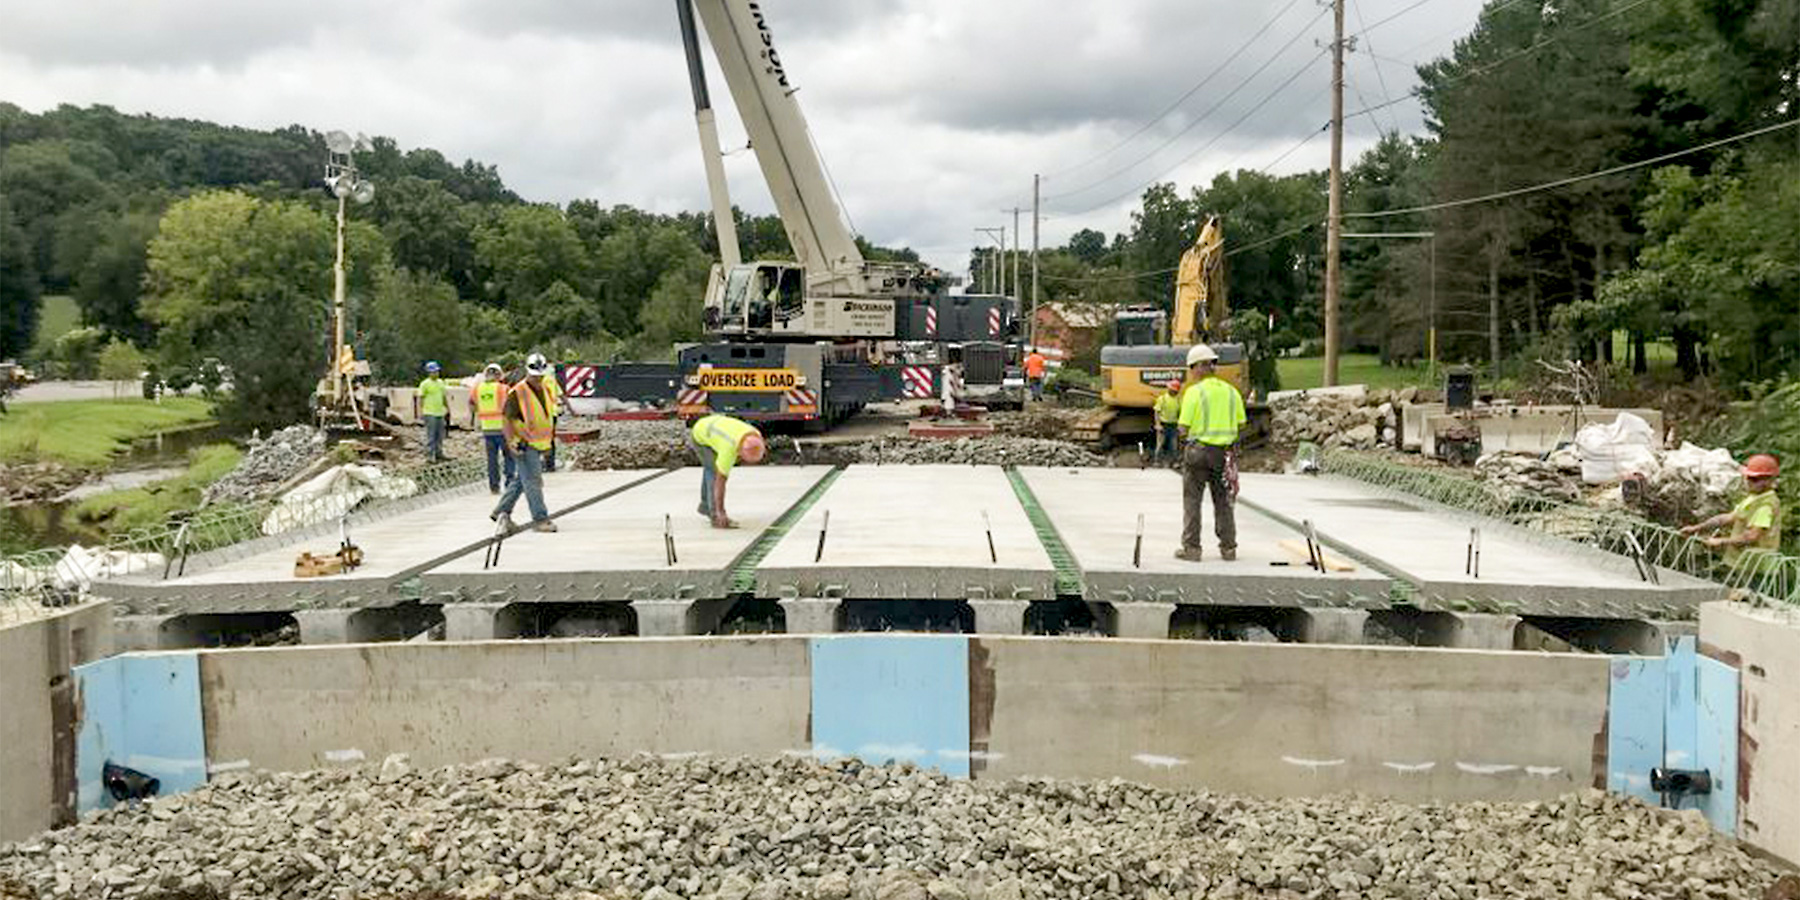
x,y
525,424
485,402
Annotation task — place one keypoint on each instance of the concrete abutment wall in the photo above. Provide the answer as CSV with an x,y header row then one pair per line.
x,y
38,710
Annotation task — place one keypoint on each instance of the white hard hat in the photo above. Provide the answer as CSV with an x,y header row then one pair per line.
x,y
1200,353
493,369
536,364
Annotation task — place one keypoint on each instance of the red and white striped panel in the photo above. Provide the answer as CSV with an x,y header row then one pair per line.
x,y
918,381
931,321
994,322
801,400
691,400
578,381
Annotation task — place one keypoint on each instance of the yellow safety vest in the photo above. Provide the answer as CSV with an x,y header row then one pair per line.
x,y
1213,412
490,397
1168,408
553,392
534,422
723,434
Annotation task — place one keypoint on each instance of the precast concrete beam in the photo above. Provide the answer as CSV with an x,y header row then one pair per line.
x,y
138,632
470,621
1334,626
678,618
1143,619
810,616
1000,616
324,626
1485,631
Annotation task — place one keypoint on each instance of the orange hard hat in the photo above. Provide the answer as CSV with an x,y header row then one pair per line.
x,y
1762,465
1174,385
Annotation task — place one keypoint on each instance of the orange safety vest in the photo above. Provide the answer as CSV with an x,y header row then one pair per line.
x,y
490,397
534,422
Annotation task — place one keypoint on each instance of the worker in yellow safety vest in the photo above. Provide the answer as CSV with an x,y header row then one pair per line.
x,y
553,387
1168,418
431,404
485,402
525,423
1212,416
1755,522
721,442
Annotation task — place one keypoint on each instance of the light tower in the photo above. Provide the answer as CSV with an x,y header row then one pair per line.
x,y
345,184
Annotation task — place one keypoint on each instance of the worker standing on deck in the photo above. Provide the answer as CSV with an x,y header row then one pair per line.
x,y
432,404
1212,417
525,422
553,387
1168,424
485,403
1034,374
1755,522
722,442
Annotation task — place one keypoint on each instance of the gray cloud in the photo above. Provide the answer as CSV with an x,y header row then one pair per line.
x,y
931,114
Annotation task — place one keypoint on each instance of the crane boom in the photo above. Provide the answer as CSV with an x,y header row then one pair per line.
x,y
763,92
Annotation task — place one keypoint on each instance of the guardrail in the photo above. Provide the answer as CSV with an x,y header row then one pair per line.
x,y
44,576
1758,575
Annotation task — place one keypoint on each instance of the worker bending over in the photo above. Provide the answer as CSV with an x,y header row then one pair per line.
x,y
722,442
525,422
485,403
1756,521
1212,416
1168,424
431,404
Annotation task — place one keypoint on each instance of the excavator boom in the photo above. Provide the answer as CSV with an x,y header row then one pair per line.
x,y
1200,302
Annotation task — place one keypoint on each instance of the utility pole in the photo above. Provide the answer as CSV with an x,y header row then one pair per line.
x,y
996,276
1334,224
1015,259
1035,218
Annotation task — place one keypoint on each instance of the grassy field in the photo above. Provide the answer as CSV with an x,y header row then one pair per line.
x,y
60,316
151,505
87,433
1353,368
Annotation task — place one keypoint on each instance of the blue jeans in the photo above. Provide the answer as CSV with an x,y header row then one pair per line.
x,y
434,437
708,461
1037,389
1171,443
495,444
528,479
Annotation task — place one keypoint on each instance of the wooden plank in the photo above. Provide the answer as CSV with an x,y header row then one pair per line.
x,y
1297,549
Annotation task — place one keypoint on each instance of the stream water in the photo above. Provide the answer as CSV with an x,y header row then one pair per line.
x,y
28,526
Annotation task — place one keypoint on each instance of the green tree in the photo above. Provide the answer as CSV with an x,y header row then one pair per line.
x,y
77,352
415,316
120,362
525,251
672,314
44,179
19,301
1088,246
428,230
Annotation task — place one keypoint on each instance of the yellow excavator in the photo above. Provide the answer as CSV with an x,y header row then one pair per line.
x,y
1146,353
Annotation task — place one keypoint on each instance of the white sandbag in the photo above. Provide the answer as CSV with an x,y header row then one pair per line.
x,y
1714,470
1610,452
80,567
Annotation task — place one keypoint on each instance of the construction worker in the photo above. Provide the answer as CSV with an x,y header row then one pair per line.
x,y
525,423
1755,522
1212,416
721,442
485,403
553,387
1034,374
433,405
1168,424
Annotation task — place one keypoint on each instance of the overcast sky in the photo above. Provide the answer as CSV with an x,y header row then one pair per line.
x,y
931,115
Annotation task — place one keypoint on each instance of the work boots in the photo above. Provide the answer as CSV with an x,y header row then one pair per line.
x,y
1190,554
1228,554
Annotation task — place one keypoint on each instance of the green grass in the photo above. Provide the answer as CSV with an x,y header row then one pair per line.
x,y
59,317
1353,368
150,505
87,433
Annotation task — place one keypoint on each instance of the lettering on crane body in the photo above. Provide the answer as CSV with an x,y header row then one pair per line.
x,y
730,380
768,40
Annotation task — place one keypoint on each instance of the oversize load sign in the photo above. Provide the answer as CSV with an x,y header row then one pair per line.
x,y
729,380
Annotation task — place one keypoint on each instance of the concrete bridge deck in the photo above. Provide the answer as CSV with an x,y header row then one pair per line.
x,y
977,535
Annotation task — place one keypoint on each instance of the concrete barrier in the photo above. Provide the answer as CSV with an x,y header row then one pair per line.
x,y
1763,645
38,713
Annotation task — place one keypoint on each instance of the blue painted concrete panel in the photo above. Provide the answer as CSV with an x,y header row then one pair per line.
x,y
885,697
142,712
1681,716
1718,741
1634,724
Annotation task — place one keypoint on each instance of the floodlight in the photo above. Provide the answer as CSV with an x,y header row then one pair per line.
x,y
341,186
363,192
338,142
362,143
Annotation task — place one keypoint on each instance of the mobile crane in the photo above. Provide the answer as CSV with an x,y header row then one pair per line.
x,y
813,339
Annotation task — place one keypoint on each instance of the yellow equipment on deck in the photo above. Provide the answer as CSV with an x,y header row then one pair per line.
x,y
1147,354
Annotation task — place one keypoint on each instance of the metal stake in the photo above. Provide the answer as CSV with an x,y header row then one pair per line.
x,y
1137,548
824,526
669,539
993,554
1472,559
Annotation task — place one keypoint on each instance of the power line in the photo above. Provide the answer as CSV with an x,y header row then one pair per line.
x,y
1369,48
1203,82
1483,70
1201,118
1229,252
1565,182
1209,144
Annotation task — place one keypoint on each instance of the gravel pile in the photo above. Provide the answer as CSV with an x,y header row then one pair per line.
x,y
993,450
267,463
1333,420
1037,421
728,829
632,445
1558,477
